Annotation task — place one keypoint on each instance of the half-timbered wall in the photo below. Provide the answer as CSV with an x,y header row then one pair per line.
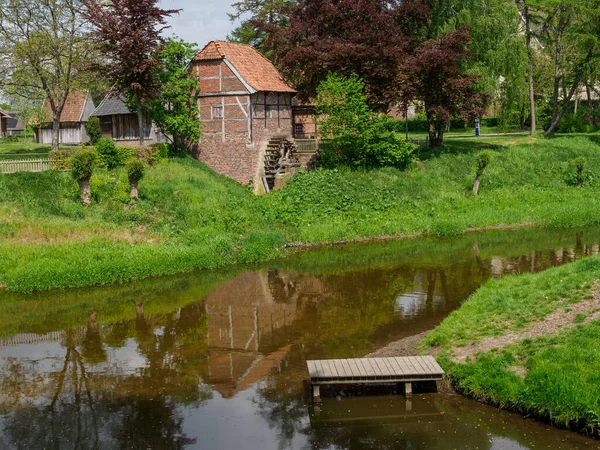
x,y
236,125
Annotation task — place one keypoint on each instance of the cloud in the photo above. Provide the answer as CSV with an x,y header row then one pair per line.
x,y
200,21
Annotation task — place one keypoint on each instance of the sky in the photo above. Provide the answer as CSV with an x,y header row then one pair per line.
x,y
201,21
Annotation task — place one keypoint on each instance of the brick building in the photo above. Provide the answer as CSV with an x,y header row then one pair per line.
x,y
245,107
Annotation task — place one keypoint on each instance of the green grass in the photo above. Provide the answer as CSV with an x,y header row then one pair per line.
x,y
21,146
190,218
561,372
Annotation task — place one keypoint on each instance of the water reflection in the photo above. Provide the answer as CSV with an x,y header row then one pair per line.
x,y
218,360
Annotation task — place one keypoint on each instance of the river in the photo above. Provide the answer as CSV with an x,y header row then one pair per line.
x,y
216,360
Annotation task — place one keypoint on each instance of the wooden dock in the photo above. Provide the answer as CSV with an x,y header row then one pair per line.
x,y
405,370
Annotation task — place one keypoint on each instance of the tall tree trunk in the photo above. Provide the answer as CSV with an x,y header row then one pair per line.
x,y
530,55
590,104
435,130
556,120
556,78
55,131
141,123
476,184
84,191
133,190
576,105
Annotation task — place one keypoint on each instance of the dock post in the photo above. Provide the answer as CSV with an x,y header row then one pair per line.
x,y
408,389
316,393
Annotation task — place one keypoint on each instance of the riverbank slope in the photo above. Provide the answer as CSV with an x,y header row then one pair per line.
x,y
529,343
190,218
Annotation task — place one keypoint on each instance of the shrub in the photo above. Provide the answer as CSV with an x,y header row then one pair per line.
x,y
92,128
109,154
483,160
83,163
135,172
61,159
580,163
357,136
125,154
82,167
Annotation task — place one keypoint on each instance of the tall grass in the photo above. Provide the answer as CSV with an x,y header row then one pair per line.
x,y
188,217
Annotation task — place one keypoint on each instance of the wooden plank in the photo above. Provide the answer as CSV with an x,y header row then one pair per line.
x,y
418,366
348,369
411,366
321,370
339,365
396,366
311,368
402,365
365,372
359,370
376,367
382,366
428,362
391,369
366,363
333,369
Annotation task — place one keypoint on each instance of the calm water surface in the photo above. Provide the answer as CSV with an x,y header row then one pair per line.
x,y
216,360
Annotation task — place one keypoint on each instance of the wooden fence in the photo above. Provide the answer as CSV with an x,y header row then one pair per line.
x,y
27,165
306,145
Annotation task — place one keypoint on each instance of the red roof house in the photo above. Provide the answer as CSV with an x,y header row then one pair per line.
x,y
76,112
245,107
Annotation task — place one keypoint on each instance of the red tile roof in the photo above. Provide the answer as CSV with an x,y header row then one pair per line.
x,y
73,108
254,68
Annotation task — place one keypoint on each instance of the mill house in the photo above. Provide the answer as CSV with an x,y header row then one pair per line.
x,y
245,107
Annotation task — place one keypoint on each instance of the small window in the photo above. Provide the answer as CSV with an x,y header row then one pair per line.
x,y
298,129
217,112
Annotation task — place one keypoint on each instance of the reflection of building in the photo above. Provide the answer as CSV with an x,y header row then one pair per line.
x,y
242,313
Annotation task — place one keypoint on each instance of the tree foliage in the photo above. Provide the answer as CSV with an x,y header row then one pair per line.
x,y
434,76
44,52
362,37
129,34
92,128
357,137
260,18
174,109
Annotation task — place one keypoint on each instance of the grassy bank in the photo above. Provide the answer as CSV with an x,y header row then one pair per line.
x,y
189,218
530,343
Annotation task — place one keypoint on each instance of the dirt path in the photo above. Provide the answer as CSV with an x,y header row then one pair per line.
x,y
562,319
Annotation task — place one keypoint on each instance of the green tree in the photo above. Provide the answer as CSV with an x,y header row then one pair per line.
x,y
357,136
45,52
259,17
174,109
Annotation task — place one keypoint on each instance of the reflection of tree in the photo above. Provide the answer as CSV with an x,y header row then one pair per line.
x,y
73,406
92,348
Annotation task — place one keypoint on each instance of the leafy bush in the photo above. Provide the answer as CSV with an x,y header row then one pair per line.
x,y
92,128
135,170
357,136
83,163
61,159
109,154
482,159
125,154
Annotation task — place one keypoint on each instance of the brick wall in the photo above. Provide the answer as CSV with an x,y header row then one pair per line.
x,y
237,126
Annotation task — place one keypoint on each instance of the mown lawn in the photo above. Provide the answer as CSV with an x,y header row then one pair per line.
x,y
20,146
188,217
554,377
